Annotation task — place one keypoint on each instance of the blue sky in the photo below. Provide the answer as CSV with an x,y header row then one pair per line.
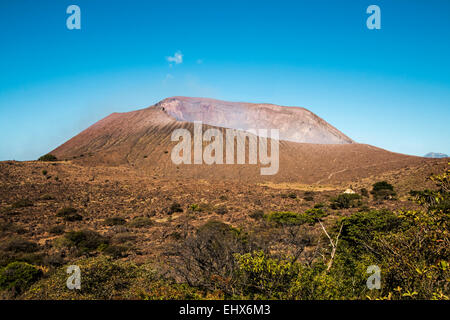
x,y
389,87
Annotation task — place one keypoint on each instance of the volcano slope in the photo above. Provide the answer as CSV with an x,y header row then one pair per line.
x,y
116,179
311,150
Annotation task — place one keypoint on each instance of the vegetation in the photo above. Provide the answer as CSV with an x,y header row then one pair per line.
x,y
57,230
221,210
22,203
18,276
69,214
282,255
48,157
345,201
175,207
383,191
114,221
84,241
257,214
140,222
291,218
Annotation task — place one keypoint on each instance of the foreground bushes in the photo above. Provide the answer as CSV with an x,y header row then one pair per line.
x,y
276,259
18,276
104,278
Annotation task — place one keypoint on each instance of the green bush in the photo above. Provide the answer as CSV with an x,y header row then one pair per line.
x,y
85,241
361,227
140,222
48,157
18,276
114,221
345,201
265,277
105,279
316,213
382,185
195,207
69,214
383,191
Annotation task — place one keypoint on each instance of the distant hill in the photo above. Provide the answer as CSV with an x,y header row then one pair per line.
x,y
435,155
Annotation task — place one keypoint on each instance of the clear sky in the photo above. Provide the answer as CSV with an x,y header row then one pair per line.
x,y
389,87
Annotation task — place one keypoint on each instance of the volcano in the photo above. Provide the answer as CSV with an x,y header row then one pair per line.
x,y
311,150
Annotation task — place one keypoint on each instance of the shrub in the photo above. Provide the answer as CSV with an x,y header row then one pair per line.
x,y
345,201
308,196
361,227
140,222
364,192
85,240
6,227
195,207
289,218
22,204
69,214
48,157
383,191
114,221
124,237
265,277
17,245
106,279
57,230
316,213
101,278
257,214
18,276
382,185
175,207
205,259
292,195
116,251
221,210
